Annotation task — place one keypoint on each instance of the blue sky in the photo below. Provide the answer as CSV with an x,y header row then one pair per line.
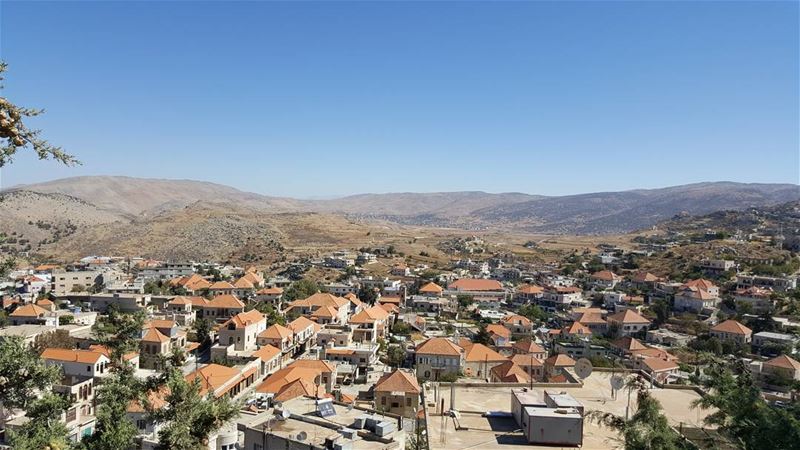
x,y
321,99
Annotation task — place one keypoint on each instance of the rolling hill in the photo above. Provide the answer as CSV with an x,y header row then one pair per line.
x,y
201,220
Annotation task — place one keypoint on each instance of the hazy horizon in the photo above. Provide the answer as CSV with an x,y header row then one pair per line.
x,y
333,197
333,99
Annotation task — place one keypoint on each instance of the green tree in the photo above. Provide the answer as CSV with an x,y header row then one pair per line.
x,y
647,428
740,410
401,328
44,430
661,309
114,429
482,336
532,312
6,266
66,319
76,288
464,301
300,289
367,295
202,330
54,339
22,374
15,135
395,356
119,331
189,417
272,315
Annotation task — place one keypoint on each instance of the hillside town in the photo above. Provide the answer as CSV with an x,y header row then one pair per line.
x,y
489,351
399,225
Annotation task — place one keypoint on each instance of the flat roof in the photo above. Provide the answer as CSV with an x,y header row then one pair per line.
x,y
538,411
773,335
484,433
316,434
25,330
526,396
563,399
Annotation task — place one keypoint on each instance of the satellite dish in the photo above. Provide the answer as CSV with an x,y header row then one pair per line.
x,y
285,414
301,436
617,382
583,368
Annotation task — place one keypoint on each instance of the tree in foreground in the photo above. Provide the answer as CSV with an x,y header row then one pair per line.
x,y
114,430
648,428
44,429
120,333
22,374
15,135
189,417
741,412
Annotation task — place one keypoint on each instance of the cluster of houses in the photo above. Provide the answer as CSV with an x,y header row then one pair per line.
x,y
270,349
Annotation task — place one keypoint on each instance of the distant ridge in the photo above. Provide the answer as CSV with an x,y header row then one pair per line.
x,y
591,213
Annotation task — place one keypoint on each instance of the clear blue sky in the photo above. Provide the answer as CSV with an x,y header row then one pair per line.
x,y
320,99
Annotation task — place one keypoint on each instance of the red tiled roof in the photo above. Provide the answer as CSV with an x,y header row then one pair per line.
x,y
438,346
733,327
476,284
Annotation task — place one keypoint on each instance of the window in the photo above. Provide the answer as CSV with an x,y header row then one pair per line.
x,y
383,401
408,401
141,424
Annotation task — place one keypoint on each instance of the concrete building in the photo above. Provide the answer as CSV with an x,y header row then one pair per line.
x,y
480,359
628,322
64,282
759,300
765,338
79,363
437,357
242,329
398,393
717,265
732,331
543,424
781,284
124,302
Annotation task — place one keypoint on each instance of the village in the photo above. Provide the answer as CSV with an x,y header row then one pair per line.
x,y
488,353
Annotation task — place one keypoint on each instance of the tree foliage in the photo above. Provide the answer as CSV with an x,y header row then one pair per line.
x,y
482,336
119,331
189,417
114,429
647,428
300,289
15,134
202,330
44,429
740,410
22,373
395,356
54,339
269,311
532,312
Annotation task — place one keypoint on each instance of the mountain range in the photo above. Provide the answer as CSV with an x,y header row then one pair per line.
x,y
202,219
